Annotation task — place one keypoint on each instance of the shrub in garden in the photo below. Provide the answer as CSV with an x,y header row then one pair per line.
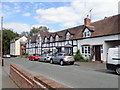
x,y
78,56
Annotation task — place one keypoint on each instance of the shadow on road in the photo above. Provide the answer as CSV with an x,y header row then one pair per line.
x,y
106,71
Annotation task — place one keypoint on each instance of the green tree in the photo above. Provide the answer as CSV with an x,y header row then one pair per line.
x,y
34,30
78,56
25,34
8,35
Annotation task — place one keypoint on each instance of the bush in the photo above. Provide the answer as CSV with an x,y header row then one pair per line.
x,y
24,56
49,51
78,56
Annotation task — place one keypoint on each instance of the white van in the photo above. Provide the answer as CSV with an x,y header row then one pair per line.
x,y
113,59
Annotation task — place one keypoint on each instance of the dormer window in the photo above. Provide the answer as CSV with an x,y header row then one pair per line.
x,y
51,39
29,41
39,39
57,38
68,36
46,39
86,33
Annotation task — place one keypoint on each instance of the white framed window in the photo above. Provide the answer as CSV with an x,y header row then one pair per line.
x,y
51,39
86,33
86,51
57,38
68,36
45,39
39,39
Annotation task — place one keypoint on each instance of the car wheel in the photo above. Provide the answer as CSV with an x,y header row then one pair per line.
x,y
61,63
118,70
51,61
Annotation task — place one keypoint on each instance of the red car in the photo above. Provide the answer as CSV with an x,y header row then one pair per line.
x,y
34,57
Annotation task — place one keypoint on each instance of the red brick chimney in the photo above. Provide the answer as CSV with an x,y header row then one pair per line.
x,y
87,20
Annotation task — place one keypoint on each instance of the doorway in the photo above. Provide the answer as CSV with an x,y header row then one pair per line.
x,y
59,49
97,53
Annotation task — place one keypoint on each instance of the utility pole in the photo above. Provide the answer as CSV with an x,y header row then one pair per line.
x,y
1,41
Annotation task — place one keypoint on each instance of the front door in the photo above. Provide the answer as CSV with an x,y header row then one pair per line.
x,y
98,53
59,49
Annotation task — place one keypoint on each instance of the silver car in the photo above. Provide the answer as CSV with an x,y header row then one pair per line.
x,y
45,57
62,58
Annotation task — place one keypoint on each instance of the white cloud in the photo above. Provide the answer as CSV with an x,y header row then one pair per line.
x,y
16,6
26,14
37,26
18,11
74,14
52,30
17,27
6,7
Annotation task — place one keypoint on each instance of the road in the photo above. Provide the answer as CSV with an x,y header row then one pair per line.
x,y
72,76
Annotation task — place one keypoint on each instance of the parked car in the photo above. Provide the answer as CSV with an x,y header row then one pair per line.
x,y
45,57
62,58
113,60
6,56
34,57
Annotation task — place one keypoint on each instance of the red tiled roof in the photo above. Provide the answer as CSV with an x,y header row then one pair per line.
x,y
33,39
107,26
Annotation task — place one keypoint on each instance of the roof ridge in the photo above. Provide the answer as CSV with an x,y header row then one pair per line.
x,y
105,19
67,29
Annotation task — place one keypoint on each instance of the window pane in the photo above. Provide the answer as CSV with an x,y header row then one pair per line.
x,y
82,49
88,49
85,34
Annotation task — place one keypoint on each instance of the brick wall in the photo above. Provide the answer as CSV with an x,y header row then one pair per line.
x,y
21,77
26,80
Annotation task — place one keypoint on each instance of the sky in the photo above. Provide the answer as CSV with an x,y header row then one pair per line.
x,y
56,15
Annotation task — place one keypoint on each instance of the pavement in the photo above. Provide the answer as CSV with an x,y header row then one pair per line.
x,y
91,65
0,77
79,75
7,82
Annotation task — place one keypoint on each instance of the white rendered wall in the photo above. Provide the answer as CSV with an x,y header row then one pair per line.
x,y
98,41
17,47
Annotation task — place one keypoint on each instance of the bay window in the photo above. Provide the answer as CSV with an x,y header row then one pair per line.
x,y
86,51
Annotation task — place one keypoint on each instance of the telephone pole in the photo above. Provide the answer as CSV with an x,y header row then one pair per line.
x,y
1,36
1,41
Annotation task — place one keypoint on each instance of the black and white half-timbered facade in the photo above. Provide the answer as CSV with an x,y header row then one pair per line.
x,y
92,39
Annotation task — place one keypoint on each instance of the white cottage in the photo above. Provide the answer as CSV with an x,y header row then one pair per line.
x,y
16,46
92,39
